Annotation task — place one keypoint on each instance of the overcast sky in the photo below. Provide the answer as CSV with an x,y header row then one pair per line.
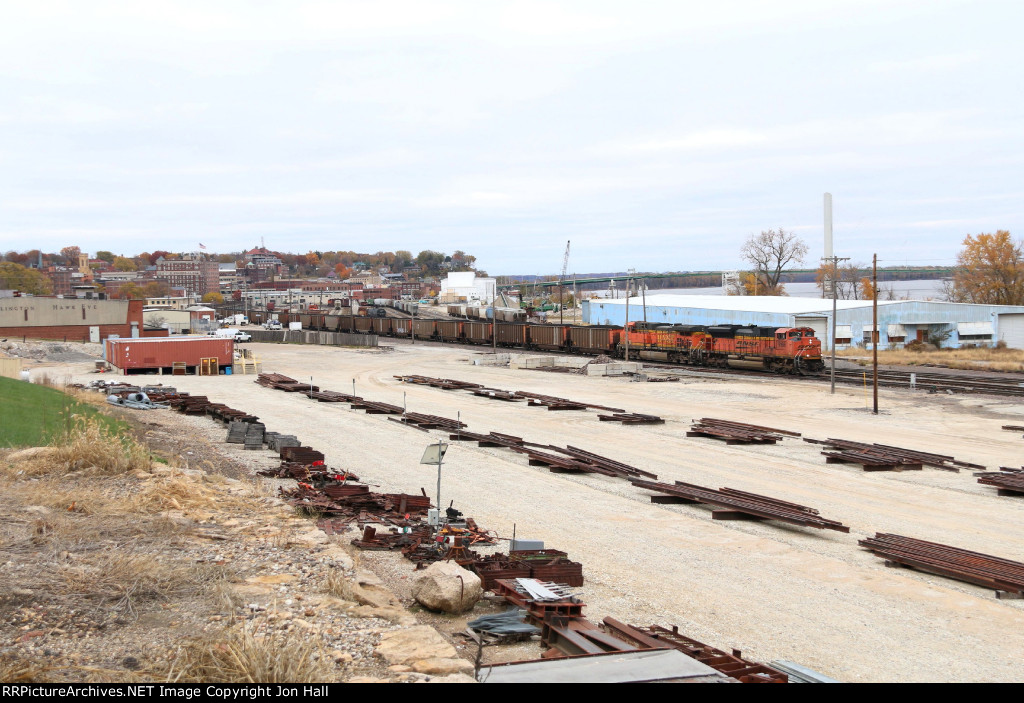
x,y
654,135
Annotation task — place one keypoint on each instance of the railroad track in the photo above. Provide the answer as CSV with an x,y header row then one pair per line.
x,y
928,381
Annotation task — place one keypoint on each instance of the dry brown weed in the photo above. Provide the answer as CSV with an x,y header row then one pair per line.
x,y
245,655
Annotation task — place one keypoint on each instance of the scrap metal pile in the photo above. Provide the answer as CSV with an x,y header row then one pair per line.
x,y
1002,575
737,432
543,564
732,664
739,505
1009,482
883,457
567,632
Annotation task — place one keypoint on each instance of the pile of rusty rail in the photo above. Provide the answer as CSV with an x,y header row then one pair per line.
x,y
731,664
1014,428
386,541
883,457
284,383
1008,481
497,394
330,396
737,432
301,455
446,384
555,403
201,405
632,419
567,460
1003,575
429,422
739,505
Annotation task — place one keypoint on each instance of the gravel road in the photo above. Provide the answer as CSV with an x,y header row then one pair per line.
x,y
775,591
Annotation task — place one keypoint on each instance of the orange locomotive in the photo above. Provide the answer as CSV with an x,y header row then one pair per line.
x,y
777,349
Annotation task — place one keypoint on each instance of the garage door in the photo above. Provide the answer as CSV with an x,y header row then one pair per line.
x,y
1011,330
819,325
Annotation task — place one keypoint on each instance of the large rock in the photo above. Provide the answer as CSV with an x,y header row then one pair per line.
x,y
413,644
447,587
443,667
368,589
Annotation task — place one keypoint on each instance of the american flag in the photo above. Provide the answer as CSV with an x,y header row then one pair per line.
x,y
201,245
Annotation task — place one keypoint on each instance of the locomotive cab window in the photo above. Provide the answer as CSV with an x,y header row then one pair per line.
x,y
794,334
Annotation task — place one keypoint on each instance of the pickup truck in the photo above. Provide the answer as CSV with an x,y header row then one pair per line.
x,y
237,335
272,325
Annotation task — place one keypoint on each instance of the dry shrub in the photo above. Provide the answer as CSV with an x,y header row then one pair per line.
x,y
92,448
178,490
125,578
242,655
916,354
14,669
337,585
59,494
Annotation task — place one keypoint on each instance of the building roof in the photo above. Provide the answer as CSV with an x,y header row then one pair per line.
x,y
745,303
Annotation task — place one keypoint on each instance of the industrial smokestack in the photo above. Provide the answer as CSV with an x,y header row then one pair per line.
x,y
828,226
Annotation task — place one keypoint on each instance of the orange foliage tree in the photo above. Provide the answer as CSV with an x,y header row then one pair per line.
x,y
770,252
990,271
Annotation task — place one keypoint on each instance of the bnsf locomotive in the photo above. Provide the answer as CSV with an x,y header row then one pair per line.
x,y
781,350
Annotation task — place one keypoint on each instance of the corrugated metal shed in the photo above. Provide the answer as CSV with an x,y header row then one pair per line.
x,y
905,320
156,353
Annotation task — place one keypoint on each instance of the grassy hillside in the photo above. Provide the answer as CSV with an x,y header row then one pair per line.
x,y
31,415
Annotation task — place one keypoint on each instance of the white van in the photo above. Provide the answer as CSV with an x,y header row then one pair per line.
x,y
235,334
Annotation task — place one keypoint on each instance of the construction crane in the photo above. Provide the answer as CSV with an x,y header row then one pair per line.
x,y
561,281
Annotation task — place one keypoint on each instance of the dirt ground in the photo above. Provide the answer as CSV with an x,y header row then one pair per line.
x,y
771,590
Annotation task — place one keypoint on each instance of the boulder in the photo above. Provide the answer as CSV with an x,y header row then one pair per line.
x,y
443,667
447,587
413,644
368,589
30,454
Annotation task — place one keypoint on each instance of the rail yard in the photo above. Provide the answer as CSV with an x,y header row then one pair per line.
x,y
674,550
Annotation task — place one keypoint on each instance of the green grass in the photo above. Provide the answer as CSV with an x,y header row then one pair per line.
x,y
33,416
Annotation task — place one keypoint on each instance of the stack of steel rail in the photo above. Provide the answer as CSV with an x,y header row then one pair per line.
x,y
271,380
733,664
429,422
1002,575
739,505
883,457
567,460
555,403
632,419
737,432
446,384
1008,481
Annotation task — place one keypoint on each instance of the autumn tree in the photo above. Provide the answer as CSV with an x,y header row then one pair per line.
x,y
213,298
847,279
70,255
123,264
769,253
17,277
989,270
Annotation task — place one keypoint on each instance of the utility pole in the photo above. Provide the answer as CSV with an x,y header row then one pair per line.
x,y
834,261
874,334
625,326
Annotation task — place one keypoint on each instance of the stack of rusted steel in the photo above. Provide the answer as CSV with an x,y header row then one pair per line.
x,y
1003,575
883,457
1008,481
739,505
737,432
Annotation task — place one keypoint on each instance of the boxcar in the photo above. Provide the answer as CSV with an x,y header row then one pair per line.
x,y
547,336
382,326
477,332
512,334
594,339
449,330
424,329
363,325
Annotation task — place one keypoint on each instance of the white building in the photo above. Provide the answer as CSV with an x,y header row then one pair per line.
x,y
464,286
899,321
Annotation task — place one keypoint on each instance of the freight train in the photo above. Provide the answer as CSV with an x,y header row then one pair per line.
x,y
775,349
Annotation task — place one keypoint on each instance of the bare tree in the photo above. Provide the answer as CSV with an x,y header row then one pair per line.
x,y
769,253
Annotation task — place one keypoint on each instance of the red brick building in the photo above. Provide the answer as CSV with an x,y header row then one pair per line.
x,y
196,275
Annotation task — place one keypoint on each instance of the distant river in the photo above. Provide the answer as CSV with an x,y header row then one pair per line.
x,y
915,290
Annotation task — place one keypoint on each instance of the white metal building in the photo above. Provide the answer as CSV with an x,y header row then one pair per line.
x,y
464,286
899,321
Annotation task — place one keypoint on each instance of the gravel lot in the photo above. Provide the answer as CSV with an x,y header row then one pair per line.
x,y
772,590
